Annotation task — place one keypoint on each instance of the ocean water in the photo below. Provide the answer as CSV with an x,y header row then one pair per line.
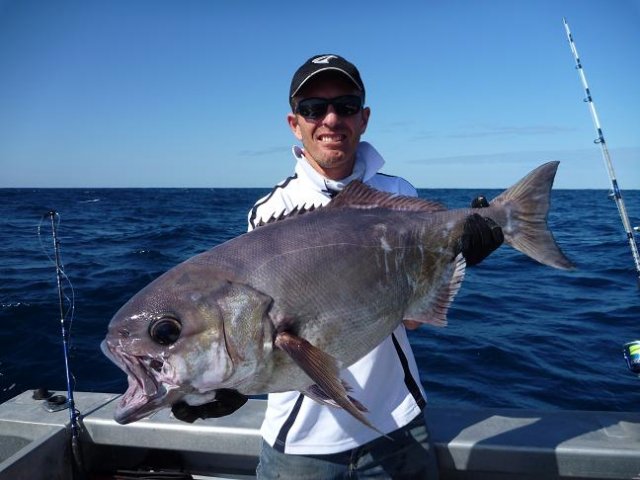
x,y
520,335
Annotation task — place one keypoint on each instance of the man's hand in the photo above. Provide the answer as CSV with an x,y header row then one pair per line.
x,y
480,236
225,403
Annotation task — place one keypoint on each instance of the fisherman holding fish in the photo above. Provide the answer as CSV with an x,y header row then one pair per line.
x,y
311,305
301,437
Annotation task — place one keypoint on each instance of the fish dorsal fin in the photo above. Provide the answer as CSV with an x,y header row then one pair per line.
x,y
298,210
360,196
433,309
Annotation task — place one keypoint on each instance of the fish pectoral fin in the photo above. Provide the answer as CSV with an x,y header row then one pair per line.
x,y
316,393
433,308
323,369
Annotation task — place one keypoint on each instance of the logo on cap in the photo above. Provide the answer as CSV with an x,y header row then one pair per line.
x,y
323,59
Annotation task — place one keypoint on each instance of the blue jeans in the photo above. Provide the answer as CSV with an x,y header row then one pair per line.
x,y
410,455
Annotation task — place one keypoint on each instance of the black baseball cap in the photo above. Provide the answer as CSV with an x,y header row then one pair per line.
x,y
324,63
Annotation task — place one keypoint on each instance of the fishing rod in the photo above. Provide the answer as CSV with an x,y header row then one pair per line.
x,y
605,154
73,413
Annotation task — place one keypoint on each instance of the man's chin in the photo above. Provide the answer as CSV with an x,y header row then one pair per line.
x,y
334,164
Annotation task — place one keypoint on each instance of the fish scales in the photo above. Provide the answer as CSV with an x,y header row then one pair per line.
x,y
374,282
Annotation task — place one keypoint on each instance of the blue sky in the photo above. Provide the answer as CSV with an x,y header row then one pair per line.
x,y
159,93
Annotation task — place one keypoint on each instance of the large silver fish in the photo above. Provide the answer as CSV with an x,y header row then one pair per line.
x,y
288,305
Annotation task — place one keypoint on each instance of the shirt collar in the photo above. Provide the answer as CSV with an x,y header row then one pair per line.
x,y
368,163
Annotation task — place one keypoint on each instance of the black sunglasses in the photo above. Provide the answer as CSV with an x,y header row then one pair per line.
x,y
314,108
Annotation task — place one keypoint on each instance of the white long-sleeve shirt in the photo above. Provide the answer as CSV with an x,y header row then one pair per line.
x,y
385,381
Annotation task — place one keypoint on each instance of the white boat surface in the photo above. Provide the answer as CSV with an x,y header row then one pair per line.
x,y
478,444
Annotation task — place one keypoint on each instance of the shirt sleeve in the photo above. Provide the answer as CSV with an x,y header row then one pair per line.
x,y
269,206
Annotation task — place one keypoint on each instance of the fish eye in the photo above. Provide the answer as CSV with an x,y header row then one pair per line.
x,y
165,330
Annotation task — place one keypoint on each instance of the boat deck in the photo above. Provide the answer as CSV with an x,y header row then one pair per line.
x,y
479,444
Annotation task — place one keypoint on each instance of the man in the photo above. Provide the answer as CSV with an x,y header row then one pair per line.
x,y
302,438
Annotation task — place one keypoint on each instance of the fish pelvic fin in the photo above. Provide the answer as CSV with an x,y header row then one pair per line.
x,y
323,369
433,308
526,205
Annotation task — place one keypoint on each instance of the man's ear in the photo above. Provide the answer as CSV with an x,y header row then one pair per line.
x,y
292,120
366,112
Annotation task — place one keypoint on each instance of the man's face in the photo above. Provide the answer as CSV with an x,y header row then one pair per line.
x,y
330,141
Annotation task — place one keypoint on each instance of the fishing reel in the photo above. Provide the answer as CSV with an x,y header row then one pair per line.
x,y
631,352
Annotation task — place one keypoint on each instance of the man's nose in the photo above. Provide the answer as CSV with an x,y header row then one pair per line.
x,y
331,117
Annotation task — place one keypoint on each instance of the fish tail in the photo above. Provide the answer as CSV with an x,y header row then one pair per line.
x,y
525,207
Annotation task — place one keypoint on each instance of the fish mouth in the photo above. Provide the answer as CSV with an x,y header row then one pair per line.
x,y
145,394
